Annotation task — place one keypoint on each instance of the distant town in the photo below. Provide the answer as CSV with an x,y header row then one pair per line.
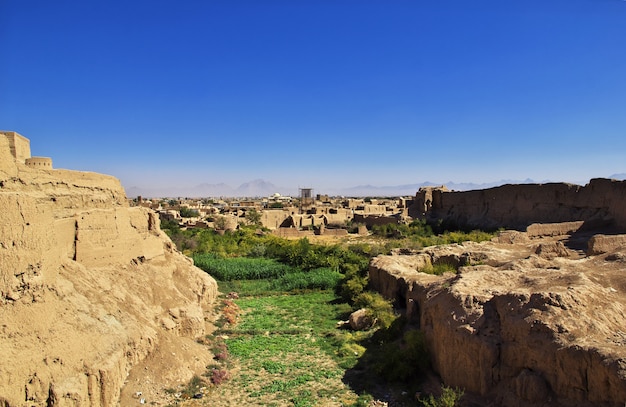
x,y
284,215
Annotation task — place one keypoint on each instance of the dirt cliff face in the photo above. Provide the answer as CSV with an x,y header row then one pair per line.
x,y
89,289
526,321
601,202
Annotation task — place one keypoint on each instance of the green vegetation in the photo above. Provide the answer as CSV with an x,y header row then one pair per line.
x,y
285,348
278,328
439,268
421,233
449,398
240,268
253,217
188,212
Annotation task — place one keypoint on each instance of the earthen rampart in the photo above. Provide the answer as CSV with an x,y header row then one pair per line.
x,y
89,288
375,220
42,163
600,202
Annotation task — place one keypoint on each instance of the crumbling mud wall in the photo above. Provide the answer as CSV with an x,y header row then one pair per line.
x,y
524,322
601,202
89,287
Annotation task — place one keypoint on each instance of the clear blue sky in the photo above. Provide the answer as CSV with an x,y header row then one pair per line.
x,y
318,93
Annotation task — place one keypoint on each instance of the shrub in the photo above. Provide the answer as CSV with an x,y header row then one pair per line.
x,y
193,387
449,398
218,376
170,226
220,352
352,287
257,250
381,309
439,268
230,312
188,212
404,359
353,283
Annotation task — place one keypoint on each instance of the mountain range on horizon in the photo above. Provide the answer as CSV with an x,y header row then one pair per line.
x,y
263,188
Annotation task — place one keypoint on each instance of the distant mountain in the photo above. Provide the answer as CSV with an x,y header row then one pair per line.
x,y
371,190
213,190
411,189
256,188
263,188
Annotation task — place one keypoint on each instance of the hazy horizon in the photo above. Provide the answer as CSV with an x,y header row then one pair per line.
x,y
323,94
265,188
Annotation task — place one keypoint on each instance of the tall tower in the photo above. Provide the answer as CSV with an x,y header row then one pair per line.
x,y
306,199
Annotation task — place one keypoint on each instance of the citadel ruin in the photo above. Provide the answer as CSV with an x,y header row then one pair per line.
x,y
91,288
20,150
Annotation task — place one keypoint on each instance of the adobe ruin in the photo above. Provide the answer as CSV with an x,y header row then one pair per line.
x,y
20,150
600,204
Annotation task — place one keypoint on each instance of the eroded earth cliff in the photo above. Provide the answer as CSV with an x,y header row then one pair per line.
x,y
529,319
90,291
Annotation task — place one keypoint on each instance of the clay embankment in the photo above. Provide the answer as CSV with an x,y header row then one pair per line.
x,y
90,289
599,203
525,321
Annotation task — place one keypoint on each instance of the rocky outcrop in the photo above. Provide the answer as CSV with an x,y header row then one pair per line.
x,y
599,244
524,322
599,203
89,289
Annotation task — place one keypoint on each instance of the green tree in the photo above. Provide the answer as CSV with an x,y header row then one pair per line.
x,y
220,223
253,217
188,212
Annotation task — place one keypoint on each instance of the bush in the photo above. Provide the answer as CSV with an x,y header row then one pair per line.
x,y
218,376
170,226
353,283
449,398
402,360
193,387
439,268
230,312
188,213
381,309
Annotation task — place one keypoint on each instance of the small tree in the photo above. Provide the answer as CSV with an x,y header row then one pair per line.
x,y
188,213
220,223
253,217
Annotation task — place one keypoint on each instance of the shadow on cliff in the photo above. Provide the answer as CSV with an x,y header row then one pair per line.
x,y
395,366
579,240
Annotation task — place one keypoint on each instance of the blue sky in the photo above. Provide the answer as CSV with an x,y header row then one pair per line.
x,y
326,94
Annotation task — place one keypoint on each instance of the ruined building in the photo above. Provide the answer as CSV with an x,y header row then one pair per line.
x,y
20,149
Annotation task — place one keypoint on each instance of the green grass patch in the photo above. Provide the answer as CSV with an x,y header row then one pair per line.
x,y
241,268
439,269
286,348
322,279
